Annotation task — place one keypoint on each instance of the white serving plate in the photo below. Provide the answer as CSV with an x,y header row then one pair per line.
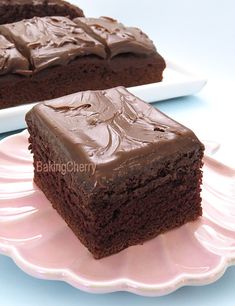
x,y
177,82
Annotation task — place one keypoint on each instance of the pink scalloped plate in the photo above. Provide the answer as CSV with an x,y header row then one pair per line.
x,y
41,244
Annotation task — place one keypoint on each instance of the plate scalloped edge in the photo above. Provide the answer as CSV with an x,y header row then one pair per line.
x,y
119,284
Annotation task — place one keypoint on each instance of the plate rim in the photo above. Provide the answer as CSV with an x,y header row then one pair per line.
x,y
120,284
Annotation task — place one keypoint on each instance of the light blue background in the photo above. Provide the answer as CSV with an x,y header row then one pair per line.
x,y
200,34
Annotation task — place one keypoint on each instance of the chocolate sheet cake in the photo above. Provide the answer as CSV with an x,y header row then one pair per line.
x,y
66,56
135,172
15,10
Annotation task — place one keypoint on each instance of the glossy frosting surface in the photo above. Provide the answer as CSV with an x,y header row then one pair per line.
x,y
50,41
11,61
118,38
112,127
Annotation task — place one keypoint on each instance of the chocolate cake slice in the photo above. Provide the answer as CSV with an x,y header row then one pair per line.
x,y
68,56
117,170
16,10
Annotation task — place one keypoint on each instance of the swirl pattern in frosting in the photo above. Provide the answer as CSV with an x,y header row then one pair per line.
x,y
11,61
51,41
117,38
111,127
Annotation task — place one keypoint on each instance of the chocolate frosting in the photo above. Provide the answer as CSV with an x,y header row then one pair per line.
x,y
51,41
117,38
11,61
111,128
